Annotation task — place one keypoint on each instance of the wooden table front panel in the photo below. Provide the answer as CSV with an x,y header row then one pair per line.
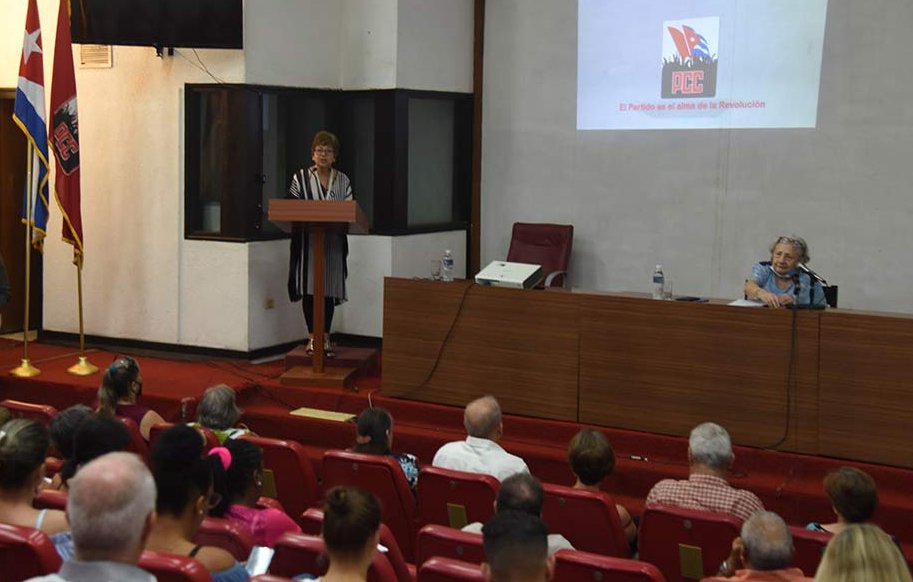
x,y
665,366
520,346
866,411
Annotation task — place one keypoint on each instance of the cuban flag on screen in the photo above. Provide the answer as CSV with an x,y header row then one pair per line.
x,y
29,115
697,44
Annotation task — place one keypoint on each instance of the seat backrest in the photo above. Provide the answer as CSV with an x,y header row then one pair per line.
x,y
298,554
137,444
271,578
296,483
157,429
40,413
312,524
809,548
383,477
173,568
455,498
440,540
576,566
686,544
26,553
449,570
229,535
543,244
50,499
589,520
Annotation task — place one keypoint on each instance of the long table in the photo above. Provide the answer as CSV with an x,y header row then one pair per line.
x,y
624,361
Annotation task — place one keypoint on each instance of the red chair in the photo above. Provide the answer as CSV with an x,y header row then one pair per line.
x,y
438,540
588,520
312,524
383,477
300,554
574,566
809,548
226,534
157,429
270,503
270,578
52,466
686,543
173,568
448,570
40,413
548,245
26,553
296,483
50,499
138,444
455,498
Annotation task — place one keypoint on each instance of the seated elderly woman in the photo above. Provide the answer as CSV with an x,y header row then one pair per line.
x,y
592,459
183,480
854,498
121,386
862,552
775,283
23,447
219,412
374,429
239,482
351,531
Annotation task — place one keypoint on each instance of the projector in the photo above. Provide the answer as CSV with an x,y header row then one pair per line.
x,y
513,275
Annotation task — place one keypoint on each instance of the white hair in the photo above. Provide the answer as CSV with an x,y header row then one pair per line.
x,y
710,445
107,506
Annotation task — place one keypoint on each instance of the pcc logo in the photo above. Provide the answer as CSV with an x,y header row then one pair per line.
x,y
690,49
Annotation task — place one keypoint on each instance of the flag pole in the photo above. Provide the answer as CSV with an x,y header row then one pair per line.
x,y
83,367
25,368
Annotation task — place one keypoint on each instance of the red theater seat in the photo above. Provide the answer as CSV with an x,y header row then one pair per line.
x,y
137,444
296,483
50,499
448,570
226,534
173,568
686,542
588,520
26,553
810,547
439,540
574,566
445,497
157,429
300,554
548,245
40,413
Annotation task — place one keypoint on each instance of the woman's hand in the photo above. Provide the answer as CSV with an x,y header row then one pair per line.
x,y
769,299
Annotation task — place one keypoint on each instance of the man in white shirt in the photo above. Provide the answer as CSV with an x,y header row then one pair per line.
x,y
480,452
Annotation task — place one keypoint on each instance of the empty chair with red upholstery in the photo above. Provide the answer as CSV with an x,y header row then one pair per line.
x,y
587,519
26,552
449,570
575,566
548,245
440,540
287,467
455,498
40,413
809,548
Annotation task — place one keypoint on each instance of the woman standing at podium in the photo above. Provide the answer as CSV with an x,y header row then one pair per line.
x,y
319,182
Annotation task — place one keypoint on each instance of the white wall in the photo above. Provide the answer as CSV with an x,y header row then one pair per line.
x,y
705,204
432,56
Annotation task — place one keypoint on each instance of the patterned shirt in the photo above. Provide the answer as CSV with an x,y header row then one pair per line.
x,y
706,493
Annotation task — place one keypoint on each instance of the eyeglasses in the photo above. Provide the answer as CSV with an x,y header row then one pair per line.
x,y
324,151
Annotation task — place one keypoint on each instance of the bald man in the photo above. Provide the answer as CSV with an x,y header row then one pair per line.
x,y
480,452
762,553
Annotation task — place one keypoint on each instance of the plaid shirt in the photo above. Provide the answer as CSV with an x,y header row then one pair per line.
x,y
707,493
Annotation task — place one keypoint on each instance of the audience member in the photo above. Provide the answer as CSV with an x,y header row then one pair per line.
x,y
351,532
592,459
516,549
109,530
480,452
121,386
239,483
374,429
183,478
63,428
762,553
710,459
23,448
853,496
523,492
95,436
861,552
218,411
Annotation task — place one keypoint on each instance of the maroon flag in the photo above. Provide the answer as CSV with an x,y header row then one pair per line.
x,y
63,134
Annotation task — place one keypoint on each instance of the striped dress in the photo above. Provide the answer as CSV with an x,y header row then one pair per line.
x,y
306,185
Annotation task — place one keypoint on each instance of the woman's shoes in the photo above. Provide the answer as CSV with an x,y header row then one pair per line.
x,y
328,347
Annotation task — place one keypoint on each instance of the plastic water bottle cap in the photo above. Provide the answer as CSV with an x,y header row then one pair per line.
x,y
659,267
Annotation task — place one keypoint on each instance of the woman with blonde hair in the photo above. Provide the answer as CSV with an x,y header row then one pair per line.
x,y
862,552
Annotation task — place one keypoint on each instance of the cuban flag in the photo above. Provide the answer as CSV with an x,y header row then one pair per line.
x,y
29,115
689,43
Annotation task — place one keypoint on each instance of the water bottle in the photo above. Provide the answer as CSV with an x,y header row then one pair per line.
x,y
447,266
658,282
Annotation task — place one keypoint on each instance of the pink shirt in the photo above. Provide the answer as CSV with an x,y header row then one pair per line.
x,y
784,575
266,525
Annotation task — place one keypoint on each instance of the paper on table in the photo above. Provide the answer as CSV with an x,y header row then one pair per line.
x,y
746,303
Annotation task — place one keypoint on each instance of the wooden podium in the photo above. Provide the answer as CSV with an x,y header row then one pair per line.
x,y
317,217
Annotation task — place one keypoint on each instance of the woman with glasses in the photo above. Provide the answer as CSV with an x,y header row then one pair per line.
x,y
774,282
184,495
319,182
121,386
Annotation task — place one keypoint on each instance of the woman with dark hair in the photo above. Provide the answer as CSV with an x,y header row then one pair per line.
x,y
374,429
351,531
62,430
854,499
121,386
23,448
95,436
183,480
239,482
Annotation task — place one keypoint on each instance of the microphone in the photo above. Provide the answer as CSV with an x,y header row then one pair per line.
x,y
804,268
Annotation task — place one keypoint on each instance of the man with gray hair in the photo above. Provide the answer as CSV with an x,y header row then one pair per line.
x,y
111,510
762,553
218,411
480,452
710,459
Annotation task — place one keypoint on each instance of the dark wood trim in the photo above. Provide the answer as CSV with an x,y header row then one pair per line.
x,y
475,233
